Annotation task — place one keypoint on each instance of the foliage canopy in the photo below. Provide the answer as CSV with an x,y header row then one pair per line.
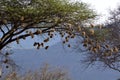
x,y
19,16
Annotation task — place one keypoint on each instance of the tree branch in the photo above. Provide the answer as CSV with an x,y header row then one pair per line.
x,y
2,30
25,35
6,27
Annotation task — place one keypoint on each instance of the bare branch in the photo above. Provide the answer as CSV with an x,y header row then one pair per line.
x,y
2,30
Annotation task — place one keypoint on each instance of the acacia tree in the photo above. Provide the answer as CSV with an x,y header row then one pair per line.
x,y
17,17
20,19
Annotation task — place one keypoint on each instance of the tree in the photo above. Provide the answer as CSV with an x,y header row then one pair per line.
x,y
104,45
41,15
20,19
114,24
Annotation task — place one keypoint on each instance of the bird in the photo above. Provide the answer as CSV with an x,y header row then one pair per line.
x,y
83,33
46,40
17,40
92,31
22,18
46,47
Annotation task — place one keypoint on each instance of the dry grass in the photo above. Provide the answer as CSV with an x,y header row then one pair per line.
x,y
45,73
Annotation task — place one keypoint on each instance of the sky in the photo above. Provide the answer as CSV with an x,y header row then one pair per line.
x,y
102,7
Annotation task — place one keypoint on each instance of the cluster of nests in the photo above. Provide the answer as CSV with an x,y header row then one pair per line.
x,y
51,35
100,48
68,34
97,46
37,32
37,44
